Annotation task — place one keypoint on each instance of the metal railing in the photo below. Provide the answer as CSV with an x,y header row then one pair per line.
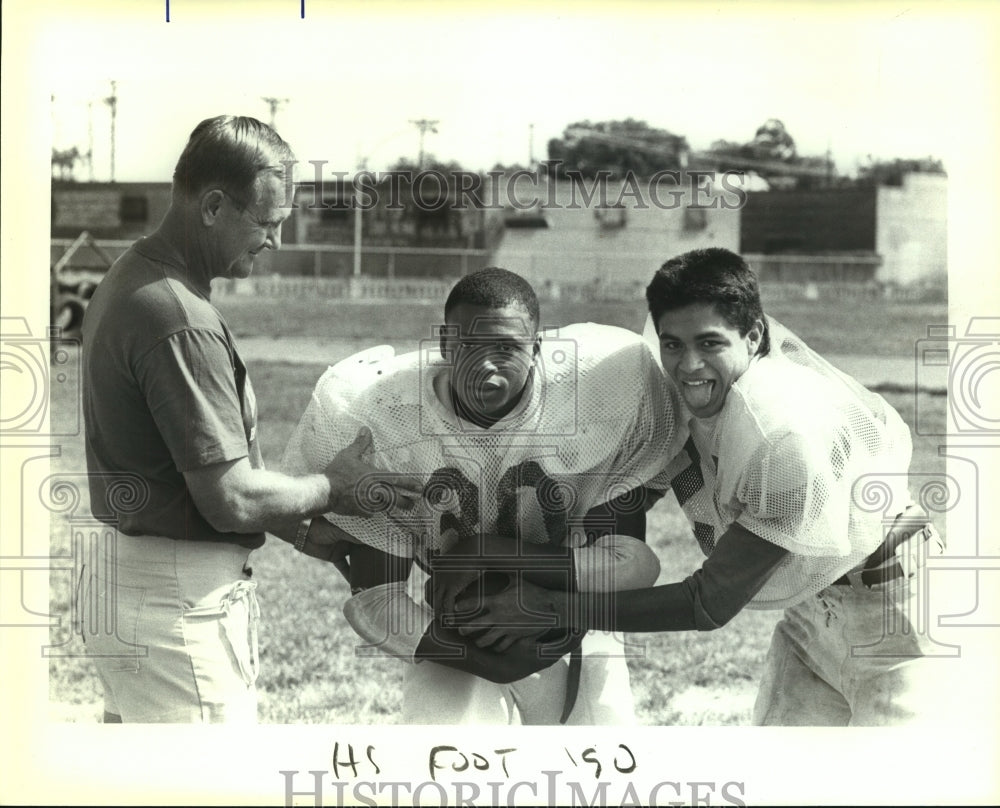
x,y
427,273
814,268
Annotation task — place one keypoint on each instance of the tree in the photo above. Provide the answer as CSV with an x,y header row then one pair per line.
x,y
771,141
772,155
64,161
430,203
617,147
431,163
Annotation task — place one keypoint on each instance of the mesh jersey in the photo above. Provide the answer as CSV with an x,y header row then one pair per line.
x,y
597,422
788,457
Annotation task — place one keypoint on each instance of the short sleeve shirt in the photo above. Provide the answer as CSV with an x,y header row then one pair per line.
x,y
164,392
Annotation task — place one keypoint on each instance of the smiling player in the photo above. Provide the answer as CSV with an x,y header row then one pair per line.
x,y
537,450
779,441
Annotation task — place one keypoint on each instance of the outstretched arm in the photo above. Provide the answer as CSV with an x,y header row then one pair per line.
x,y
615,556
234,497
736,570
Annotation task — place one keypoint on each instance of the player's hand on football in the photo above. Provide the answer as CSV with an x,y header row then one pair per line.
x,y
445,585
358,489
499,620
461,565
510,638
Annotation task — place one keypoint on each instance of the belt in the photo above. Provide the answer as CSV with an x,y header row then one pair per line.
x,y
884,564
572,683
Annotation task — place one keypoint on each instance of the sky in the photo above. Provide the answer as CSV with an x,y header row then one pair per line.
x,y
857,80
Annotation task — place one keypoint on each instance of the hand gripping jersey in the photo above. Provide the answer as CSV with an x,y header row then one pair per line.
x,y
792,456
597,422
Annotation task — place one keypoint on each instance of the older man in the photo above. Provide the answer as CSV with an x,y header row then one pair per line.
x,y
169,409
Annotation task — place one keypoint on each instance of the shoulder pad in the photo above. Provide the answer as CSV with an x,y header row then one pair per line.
x,y
361,363
375,372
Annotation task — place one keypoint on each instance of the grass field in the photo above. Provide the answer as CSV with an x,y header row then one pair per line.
x,y
309,670
863,327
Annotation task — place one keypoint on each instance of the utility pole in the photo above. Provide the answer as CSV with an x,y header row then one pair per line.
x,y
112,101
362,165
424,126
274,104
531,145
90,140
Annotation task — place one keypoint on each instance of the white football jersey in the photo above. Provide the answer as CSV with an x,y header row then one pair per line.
x,y
597,422
804,457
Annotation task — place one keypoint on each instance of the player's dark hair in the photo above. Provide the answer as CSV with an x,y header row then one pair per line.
x,y
494,288
714,276
230,152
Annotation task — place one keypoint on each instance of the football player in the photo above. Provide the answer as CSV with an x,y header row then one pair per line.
x,y
777,477
540,452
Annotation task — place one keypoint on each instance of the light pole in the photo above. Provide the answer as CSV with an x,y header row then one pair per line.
x,y
112,101
274,104
357,220
425,126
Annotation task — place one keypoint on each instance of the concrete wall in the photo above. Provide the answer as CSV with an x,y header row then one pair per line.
x,y
840,220
108,210
590,241
912,230
906,227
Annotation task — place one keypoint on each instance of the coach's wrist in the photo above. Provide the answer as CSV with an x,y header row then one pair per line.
x,y
302,535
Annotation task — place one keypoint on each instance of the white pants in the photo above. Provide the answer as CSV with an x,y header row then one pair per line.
x,y
435,694
854,657
171,627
